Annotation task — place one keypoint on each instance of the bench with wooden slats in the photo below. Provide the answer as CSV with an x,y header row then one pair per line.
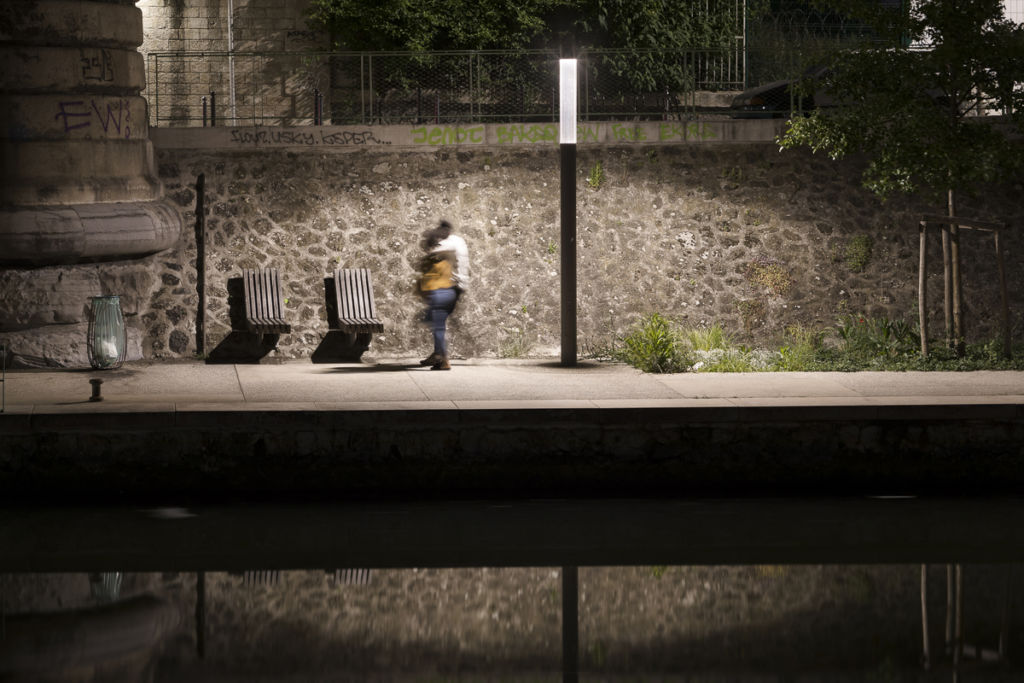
x,y
264,303
357,311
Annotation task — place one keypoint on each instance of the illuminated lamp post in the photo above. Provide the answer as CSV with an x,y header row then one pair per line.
x,y
567,153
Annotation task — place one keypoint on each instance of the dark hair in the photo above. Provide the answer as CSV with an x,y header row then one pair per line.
x,y
444,228
433,237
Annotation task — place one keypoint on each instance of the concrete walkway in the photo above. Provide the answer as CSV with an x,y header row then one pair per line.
x,y
401,384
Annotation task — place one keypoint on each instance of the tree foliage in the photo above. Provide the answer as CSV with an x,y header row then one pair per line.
x,y
434,25
656,24
420,25
919,107
913,104
639,33
634,35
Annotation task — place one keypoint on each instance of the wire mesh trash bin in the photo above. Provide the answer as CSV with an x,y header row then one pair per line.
x,y
105,586
108,338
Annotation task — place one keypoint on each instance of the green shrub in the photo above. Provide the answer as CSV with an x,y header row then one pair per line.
x,y
876,337
802,350
514,344
769,275
726,360
858,252
752,311
653,346
705,338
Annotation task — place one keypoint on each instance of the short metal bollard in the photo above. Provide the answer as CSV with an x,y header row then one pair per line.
x,y
95,390
3,377
107,337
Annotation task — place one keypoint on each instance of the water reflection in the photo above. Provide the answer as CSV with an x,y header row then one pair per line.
x,y
878,590
660,622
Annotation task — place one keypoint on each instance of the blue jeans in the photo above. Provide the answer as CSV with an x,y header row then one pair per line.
x,y
440,304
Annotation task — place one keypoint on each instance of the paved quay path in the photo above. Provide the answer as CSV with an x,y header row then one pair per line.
x,y
401,384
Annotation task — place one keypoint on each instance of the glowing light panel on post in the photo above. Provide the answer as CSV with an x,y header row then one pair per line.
x,y
567,101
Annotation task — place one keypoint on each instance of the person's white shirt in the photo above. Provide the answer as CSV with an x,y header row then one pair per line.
x,y
460,270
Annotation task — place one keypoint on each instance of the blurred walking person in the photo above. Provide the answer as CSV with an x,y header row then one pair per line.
x,y
437,286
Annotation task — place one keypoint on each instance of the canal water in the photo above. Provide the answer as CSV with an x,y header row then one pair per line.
x,y
888,588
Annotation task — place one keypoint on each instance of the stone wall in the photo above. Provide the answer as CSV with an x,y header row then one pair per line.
x,y
265,82
202,25
740,235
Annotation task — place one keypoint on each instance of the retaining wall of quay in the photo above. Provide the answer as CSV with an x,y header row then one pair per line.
x,y
702,221
448,453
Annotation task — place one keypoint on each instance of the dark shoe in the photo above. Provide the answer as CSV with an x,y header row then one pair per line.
x,y
432,359
441,364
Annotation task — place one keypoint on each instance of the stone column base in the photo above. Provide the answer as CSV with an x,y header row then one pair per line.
x,y
75,233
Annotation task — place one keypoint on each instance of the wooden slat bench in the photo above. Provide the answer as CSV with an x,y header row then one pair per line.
x,y
264,303
357,311
351,317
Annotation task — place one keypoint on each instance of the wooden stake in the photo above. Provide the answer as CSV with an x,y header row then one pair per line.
x,y
1007,346
958,299
958,321
947,285
922,288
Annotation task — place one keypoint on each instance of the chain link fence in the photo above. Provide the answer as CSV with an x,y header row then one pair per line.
x,y
760,41
340,88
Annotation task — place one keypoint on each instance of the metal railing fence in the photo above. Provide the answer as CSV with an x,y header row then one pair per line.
x,y
361,88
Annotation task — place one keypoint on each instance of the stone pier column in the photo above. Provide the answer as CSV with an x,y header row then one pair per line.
x,y
80,202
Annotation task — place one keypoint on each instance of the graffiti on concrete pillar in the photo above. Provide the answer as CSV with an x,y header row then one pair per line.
x,y
97,65
110,114
116,116
75,114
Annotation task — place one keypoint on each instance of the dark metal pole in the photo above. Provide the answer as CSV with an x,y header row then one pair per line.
x,y
201,264
568,101
926,654
213,109
570,625
567,154
201,614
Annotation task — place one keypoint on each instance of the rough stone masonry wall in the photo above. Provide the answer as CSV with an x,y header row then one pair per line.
x,y
741,235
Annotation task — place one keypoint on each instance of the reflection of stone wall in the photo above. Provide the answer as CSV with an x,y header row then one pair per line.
x,y
735,623
740,235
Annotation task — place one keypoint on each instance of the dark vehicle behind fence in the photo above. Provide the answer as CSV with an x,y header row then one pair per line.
x,y
781,98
